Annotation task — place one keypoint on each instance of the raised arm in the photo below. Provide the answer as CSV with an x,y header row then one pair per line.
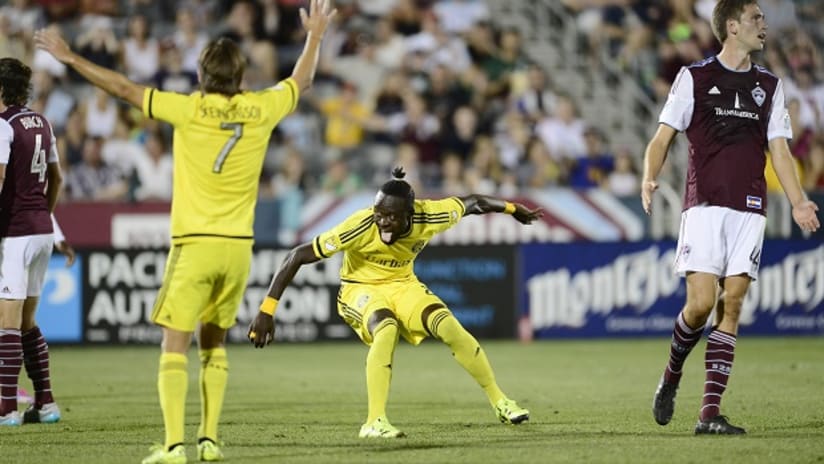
x,y
315,23
112,82
262,329
482,204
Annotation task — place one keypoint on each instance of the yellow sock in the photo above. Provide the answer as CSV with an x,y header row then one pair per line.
x,y
466,350
214,373
172,382
379,367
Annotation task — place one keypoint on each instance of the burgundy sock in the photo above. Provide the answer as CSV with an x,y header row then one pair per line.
x,y
684,338
11,359
36,358
718,364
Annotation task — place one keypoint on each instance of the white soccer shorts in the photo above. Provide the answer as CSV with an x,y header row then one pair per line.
x,y
23,264
720,241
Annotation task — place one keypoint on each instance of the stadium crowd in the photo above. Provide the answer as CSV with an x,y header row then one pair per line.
x,y
432,85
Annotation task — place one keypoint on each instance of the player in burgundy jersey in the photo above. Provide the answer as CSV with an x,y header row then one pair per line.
x,y
732,112
29,185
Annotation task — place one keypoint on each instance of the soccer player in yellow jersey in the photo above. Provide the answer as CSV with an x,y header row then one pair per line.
x,y
382,299
220,137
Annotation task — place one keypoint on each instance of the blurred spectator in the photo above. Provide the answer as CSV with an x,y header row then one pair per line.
x,y
51,100
459,136
141,53
170,75
12,44
389,45
70,142
406,17
445,93
623,181
563,132
24,16
361,67
416,126
97,42
154,11
458,16
345,118
509,57
153,169
120,151
484,164
537,101
407,157
101,113
592,169
511,138
814,178
201,11
539,170
452,177
44,61
188,39
245,26
438,48
339,180
289,185
303,129
93,179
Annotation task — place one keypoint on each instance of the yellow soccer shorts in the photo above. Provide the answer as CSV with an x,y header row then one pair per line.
x,y
406,300
203,282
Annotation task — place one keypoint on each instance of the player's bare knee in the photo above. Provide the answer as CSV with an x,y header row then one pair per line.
x,y
699,306
210,336
732,305
378,317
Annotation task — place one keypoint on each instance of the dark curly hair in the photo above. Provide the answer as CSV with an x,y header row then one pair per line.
x,y
397,187
15,81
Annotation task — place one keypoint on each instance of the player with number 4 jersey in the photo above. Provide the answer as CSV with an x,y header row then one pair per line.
x,y
221,133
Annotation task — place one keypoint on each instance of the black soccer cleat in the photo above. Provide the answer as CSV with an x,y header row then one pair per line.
x,y
663,404
718,425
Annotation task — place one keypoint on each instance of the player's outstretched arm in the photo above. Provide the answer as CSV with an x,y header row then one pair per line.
x,y
262,329
315,23
112,82
482,204
804,210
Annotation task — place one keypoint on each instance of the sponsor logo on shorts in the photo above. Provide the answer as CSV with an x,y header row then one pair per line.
x,y
753,202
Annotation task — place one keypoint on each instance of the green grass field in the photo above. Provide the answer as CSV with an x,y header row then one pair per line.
x,y
590,402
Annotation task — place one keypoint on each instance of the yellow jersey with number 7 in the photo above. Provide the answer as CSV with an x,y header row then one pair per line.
x,y
218,148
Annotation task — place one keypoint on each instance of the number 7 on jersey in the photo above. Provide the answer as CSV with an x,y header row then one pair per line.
x,y
237,133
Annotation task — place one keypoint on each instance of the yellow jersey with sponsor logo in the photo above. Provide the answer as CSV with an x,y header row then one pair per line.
x,y
367,259
218,148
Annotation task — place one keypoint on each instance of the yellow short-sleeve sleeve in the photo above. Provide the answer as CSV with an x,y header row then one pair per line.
x,y
171,107
281,99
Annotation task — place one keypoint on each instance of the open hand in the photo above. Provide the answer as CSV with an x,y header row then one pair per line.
x,y
805,217
525,215
66,250
49,39
317,20
648,187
